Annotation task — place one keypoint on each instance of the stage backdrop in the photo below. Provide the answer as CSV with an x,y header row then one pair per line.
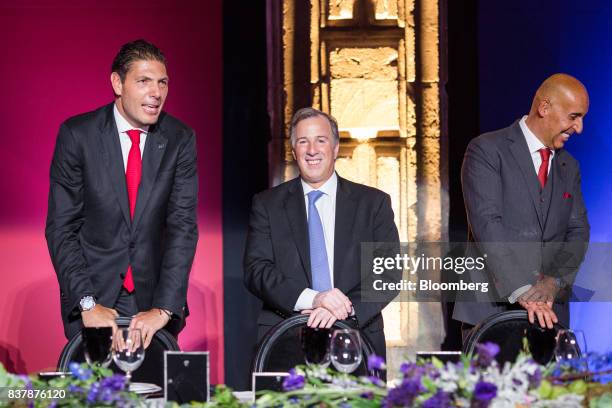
x,y
56,58
521,42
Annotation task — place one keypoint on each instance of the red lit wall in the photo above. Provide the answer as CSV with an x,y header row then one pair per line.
x,y
56,58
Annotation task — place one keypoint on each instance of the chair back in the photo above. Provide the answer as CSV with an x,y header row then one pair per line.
x,y
281,348
152,368
507,329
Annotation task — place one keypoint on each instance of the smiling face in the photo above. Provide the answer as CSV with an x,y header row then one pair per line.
x,y
563,116
141,96
315,150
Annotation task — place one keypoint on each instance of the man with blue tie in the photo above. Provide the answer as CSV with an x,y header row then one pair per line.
x,y
303,248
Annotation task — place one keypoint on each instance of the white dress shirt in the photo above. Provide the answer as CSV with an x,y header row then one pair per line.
x,y
534,145
126,143
326,206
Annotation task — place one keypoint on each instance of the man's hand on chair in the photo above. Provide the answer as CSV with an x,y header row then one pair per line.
x,y
543,310
320,317
335,302
100,316
149,323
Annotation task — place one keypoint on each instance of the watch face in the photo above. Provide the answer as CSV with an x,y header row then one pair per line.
x,y
87,303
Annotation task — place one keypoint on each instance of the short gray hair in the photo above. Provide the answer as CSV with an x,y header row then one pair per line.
x,y
306,113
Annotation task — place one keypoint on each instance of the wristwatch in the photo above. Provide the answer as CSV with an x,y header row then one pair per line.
x,y
87,303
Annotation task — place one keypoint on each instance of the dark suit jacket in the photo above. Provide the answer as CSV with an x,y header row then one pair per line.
x,y
90,235
277,259
529,232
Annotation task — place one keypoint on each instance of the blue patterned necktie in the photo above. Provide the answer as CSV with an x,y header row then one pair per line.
x,y
318,254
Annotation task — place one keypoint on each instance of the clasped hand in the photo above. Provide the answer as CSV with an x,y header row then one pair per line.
x,y
327,307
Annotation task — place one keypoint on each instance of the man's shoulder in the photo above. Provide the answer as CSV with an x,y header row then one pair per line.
x,y
87,119
279,191
361,190
173,125
497,137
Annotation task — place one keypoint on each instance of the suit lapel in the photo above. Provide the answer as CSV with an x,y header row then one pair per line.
x,y
295,209
113,159
520,152
346,208
154,150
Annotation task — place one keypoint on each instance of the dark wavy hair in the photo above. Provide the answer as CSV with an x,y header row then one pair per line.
x,y
135,51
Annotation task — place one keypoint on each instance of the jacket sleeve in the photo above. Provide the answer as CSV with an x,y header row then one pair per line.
x,y
65,218
181,235
261,275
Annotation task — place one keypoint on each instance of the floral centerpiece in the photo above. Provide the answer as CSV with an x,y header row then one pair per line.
x,y
85,386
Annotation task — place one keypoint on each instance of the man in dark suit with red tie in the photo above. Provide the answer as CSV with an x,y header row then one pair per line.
x,y
121,223
523,198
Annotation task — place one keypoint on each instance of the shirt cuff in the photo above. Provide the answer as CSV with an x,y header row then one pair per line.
x,y
517,293
305,300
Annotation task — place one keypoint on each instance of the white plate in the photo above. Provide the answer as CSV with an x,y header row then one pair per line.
x,y
144,388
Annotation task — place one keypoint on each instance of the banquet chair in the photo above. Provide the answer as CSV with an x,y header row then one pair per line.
x,y
281,348
152,368
507,329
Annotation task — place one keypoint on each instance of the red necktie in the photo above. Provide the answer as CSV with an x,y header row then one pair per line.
x,y
543,172
132,178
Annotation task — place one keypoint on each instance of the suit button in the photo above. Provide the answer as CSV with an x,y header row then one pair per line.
x,y
132,245
122,275
541,200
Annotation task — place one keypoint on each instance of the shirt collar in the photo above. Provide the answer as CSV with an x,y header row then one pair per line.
x,y
533,143
328,188
122,124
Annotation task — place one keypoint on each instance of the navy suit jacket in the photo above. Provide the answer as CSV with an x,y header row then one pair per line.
x,y
90,234
277,258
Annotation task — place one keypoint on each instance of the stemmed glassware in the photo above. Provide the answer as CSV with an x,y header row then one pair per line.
x,y
570,346
315,345
98,343
345,350
128,350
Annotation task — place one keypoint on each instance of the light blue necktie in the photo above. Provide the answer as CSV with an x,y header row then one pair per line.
x,y
318,254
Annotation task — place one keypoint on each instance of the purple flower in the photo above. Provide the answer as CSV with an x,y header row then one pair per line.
x,y
412,370
486,353
367,395
376,363
293,381
404,394
484,392
440,399
376,381
535,379
115,383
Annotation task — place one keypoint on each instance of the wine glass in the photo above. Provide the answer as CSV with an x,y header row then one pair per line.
x,y
98,343
345,350
570,347
315,345
128,350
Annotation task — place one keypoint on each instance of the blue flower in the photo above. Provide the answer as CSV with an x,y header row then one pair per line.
x,y
484,392
412,370
440,399
293,381
79,372
376,363
367,395
486,353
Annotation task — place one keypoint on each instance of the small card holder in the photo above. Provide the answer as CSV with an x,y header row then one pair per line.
x,y
444,356
268,381
186,376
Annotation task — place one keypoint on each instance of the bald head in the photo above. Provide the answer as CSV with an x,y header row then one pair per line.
x,y
558,107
